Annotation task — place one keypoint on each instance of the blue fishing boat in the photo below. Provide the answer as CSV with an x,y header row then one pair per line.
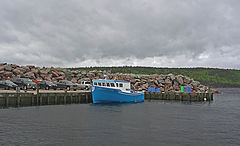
x,y
104,91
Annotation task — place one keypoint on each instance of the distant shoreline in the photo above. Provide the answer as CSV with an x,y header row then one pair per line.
x,y
213,77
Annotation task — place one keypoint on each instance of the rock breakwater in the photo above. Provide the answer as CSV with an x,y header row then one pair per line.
x,y
169,83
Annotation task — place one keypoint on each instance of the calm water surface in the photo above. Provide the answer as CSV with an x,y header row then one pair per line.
x,y
148,123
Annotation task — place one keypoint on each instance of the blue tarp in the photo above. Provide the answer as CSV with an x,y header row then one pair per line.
x,y
183,89
151,89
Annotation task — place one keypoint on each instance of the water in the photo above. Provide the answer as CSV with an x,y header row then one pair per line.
x,y
148,123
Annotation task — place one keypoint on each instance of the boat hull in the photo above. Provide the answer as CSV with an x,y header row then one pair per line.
x,y
109,95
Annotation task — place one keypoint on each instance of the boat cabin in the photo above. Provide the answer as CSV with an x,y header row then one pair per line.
x,y
122,85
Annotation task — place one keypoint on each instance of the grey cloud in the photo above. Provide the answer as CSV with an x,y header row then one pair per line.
x,y
105,32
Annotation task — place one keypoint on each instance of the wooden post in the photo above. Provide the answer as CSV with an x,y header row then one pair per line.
x,y
37,95
48,99
86,98
6,100
65,98
32,100
55,99
149,95
189,94
79,97
40,99
165,92
18,99
71,98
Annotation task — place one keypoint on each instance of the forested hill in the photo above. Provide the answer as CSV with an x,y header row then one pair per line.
x,y
208,76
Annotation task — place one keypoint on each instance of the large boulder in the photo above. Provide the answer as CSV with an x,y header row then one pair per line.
x,y
47,78
84,72
179,79
85,79
170,89
172,77
156,82
30,66
168,81
2,64
136,84
25,69
61,73
30,75
2,72
68,75
8,67
8,74
17,71
144,86
74,80
195,84
161,81
187,80
43,76
92,75
60,78
201,88
45,72
132,81
35,71
74,72
14,66
22,70
175,83
1,68
144,81
55,74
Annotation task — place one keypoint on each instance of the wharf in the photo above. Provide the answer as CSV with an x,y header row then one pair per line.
x,y
198,97
11,99
31,98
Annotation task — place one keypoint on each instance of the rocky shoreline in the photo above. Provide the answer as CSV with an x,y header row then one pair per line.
x,y
169,83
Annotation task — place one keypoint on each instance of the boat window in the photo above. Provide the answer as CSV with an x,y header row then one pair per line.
x,y
120,85
95,83
112,85
108,84
99,84
103,84
117,84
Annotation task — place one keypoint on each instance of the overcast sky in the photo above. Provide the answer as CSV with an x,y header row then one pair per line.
x,y
160,33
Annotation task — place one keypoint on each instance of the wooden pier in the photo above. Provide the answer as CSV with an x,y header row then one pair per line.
x,y
31,99
54,98
179,96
